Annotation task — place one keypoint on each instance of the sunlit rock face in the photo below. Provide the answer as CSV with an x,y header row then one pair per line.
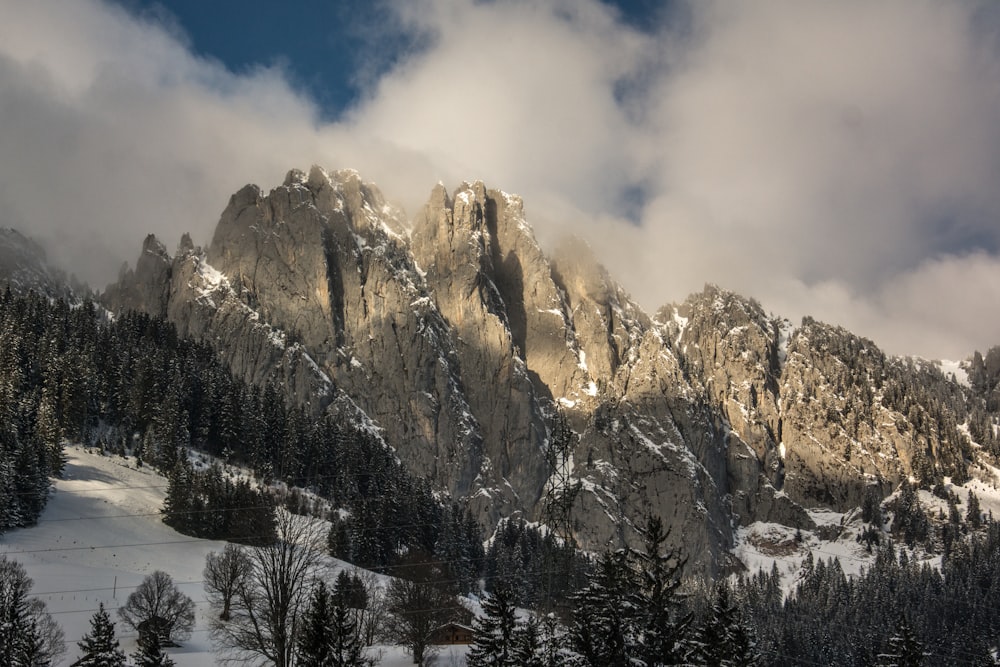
x,y
462,344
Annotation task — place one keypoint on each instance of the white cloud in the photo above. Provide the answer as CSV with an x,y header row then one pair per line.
x,y
812,148
519,93
832,159
112,130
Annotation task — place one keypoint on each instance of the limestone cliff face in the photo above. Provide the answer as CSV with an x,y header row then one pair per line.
x,y
460,250
313,286
732,354
819,412
464,344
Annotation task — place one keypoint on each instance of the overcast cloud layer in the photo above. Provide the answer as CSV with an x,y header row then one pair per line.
x,y
834,159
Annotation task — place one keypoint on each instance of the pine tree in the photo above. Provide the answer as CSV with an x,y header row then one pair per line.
x,y
662,626
904,650
100,646
150,653
314,637
724,638
974,513
495,631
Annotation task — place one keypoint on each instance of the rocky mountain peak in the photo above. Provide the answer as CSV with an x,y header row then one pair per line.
x,y
146,288
466,347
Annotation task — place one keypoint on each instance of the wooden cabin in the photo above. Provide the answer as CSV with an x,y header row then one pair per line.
x,y
452,633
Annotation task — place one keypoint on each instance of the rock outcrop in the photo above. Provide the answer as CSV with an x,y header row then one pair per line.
x,y
24,267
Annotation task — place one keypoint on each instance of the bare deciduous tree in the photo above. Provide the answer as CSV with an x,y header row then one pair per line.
x,y
372,618
268,603
157,606
51,636
416,611
224,573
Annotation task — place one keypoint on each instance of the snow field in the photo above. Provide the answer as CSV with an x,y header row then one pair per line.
x,y
101,535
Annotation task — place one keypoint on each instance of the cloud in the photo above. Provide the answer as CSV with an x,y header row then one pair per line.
x,y
851,144
831,159
520,94
112,129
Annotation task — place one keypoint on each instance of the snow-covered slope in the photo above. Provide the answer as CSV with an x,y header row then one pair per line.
x,y
762,545
101,535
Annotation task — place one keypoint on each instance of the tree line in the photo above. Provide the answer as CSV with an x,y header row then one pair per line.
x,y
130,384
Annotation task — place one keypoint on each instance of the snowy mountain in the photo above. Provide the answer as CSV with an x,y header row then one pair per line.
x,y
464,346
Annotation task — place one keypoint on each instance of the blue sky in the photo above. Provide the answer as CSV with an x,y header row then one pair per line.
x,y
832,159
316,42
325,47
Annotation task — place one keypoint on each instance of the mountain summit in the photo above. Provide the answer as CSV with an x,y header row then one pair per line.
x,y
531,384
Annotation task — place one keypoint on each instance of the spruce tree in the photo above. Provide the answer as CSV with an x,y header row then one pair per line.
x,y
974,515
329,636
31,649
662,626
871,508
14,615
28,635
100,646
724,637
314,637
20,641
531,647
338,541
180,502
350,590
150,653
495,632
603,618
905,649
345,644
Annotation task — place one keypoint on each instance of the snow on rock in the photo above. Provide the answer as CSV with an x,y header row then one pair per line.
x,y
785,330
957,369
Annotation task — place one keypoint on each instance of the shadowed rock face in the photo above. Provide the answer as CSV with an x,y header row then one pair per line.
x,y
458,338
24,267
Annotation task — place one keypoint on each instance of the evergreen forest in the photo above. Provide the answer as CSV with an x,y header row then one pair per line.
x,y
129,385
